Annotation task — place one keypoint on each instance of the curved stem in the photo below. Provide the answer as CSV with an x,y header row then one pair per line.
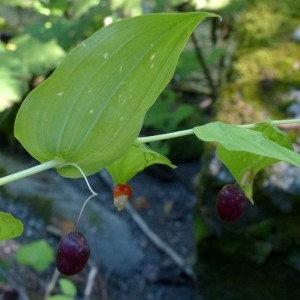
x,y
83,175
82,209
165,136
88,185
31,171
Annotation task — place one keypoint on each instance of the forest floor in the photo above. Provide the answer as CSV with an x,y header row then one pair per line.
x,y
150,256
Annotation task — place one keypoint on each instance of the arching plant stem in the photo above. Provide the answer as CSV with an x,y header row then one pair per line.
x,y
31,171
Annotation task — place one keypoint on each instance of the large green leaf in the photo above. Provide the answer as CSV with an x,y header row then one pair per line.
x,y
244,165
10,227
91,109
134,161
236,138
247,151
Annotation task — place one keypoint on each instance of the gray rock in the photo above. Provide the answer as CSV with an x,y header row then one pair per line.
x,y
119,248
112,245
294,108
296,34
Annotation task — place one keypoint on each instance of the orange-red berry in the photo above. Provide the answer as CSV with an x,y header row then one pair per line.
x,y
122,190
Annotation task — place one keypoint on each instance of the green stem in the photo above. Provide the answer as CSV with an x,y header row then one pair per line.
x,y
273,122
57,163
166,136
83,175
31,171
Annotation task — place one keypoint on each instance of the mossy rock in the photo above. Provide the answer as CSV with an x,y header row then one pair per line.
x,y
261,77
266,63
263,23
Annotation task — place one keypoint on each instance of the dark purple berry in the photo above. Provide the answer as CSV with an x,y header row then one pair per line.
x,y
231,203
72,254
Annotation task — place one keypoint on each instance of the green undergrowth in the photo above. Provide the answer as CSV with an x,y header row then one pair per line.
x,y
264,69
234,278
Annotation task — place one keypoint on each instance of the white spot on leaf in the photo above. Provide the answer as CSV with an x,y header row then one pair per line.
x,y
120,98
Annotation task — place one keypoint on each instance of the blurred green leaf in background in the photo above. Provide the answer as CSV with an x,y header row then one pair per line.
x,y
38,255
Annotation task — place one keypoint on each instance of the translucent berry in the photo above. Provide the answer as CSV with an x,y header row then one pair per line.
x,y
72,254
231,203
121,194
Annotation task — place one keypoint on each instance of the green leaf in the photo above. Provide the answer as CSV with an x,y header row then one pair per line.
x,y
38,255
158,116
134,161
14,75
78,8
91,109
65,32
19,3
244,165
40,57
246,151
67,287
237,138
10,227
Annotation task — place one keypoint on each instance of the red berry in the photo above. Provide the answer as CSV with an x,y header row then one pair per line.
x,y
122,189
231,203
72,254
121,194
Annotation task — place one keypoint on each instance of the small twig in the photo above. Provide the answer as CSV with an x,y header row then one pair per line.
x,y
19,288
154,238
159,243
51,284
90,283
202,62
